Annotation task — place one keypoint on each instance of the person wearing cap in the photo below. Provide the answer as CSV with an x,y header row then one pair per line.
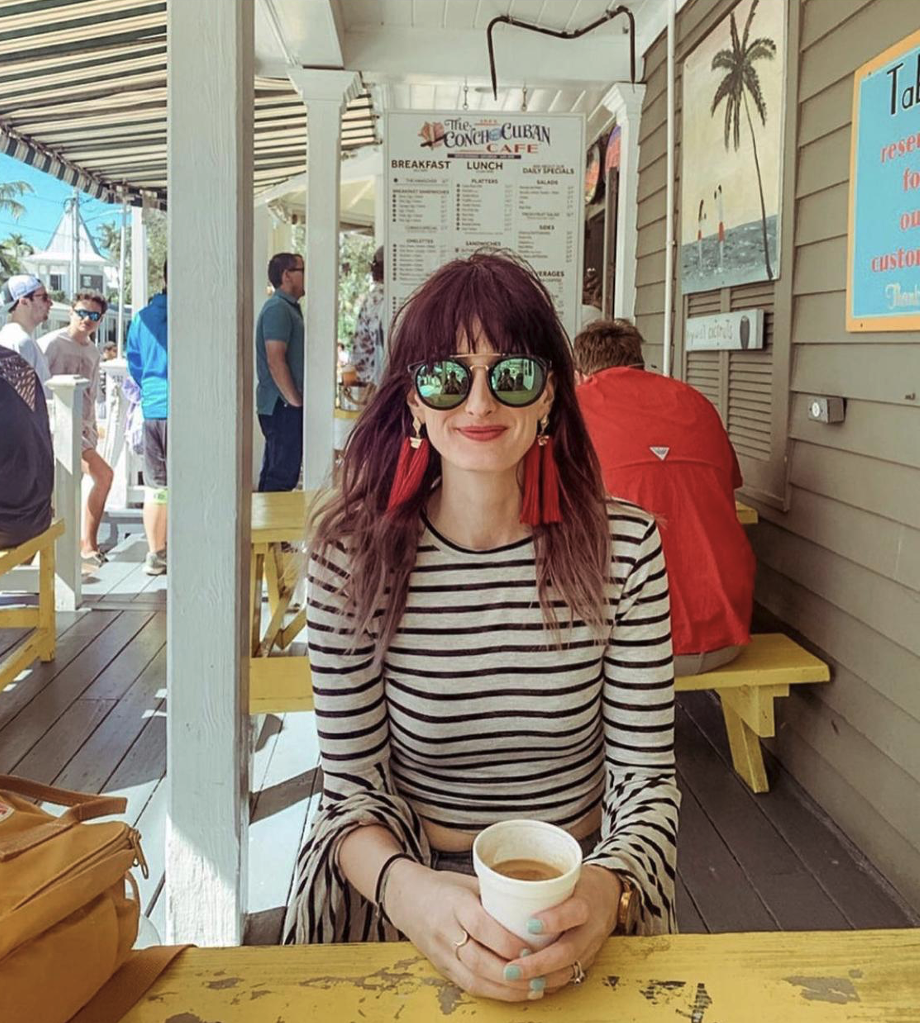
x,y
662,445
367,346
279,368
26,302
147,354
73,350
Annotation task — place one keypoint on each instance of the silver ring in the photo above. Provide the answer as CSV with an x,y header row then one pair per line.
x,y
459,944
578,974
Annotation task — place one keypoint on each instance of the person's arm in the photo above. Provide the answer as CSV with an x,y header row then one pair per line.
x,y
276,356
132,351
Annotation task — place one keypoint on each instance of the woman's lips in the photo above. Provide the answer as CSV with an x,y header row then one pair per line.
x,y
483,433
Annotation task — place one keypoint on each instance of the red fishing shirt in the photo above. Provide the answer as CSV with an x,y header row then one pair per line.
x,y
661,445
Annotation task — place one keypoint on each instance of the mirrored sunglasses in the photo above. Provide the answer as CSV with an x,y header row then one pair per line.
x,y
89,314
514,380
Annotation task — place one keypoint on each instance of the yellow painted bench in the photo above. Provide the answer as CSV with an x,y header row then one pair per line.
x,y
40,643
748,687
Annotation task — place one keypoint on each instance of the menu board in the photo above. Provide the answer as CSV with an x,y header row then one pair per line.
x,y
457,182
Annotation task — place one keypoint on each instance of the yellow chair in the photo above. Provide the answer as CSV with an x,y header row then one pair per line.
x,y
40,643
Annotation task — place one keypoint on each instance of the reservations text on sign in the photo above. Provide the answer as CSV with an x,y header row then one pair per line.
x,y
883,274
460,181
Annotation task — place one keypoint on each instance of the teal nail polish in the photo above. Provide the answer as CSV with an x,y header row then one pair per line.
x,y
535,926
524,953
538,983
512,972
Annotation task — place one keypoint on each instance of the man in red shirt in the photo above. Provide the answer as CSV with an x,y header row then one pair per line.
x,y
661,445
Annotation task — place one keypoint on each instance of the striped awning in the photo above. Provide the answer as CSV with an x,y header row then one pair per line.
x,y
83,97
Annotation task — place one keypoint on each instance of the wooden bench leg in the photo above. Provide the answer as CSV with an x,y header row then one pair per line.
x,y
747,756
46,617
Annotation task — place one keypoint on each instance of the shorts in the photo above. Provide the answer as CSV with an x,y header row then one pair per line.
x,y
155,452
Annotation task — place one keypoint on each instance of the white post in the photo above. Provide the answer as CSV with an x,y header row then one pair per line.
x,y
669,199
211,66
138,259
75,250
625,103
114,449
261,242
68,488
325,94
122,263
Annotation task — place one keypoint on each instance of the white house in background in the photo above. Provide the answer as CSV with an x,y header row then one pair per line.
x,y
54,264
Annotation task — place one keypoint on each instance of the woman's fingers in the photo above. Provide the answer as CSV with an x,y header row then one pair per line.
x,y
572,913
487,931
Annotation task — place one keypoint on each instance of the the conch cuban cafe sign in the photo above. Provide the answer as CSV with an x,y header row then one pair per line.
x,y
883,244
458,181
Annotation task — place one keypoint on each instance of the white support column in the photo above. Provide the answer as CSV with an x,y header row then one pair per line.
x,y
625,103
325,94
68,488
210,133
138,259
261,254
380,214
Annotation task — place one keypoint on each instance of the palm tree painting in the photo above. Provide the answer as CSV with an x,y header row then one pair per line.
x,y
732,148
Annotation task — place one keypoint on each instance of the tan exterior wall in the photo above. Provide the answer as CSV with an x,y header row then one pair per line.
x,y
841,565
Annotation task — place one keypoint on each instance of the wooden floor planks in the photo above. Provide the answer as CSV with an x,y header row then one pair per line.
x,y
94,719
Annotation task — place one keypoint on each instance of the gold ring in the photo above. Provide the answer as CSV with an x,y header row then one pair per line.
x,y
459,944
578,974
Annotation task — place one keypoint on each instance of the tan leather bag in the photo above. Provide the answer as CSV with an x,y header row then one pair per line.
x,y
66,921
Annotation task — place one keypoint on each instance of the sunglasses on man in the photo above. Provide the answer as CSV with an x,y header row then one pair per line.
x,y
514,380
89,314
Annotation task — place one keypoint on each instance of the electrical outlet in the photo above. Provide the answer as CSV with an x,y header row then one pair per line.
x,y
826,410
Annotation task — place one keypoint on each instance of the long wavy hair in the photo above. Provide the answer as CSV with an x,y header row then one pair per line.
x,y
498,296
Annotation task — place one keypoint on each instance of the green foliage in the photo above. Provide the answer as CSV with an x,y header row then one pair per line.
x,y
108,238
355,254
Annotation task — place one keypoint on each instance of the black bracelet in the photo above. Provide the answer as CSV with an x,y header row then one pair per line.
x,y
382,876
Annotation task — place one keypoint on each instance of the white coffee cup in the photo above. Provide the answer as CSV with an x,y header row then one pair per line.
x,y
511,901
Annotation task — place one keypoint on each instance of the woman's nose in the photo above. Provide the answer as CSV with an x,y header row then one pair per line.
x,y
480,401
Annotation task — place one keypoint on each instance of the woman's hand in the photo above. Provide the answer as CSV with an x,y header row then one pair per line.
x,y
434,909
584,923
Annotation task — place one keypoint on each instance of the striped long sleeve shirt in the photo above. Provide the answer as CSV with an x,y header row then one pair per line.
x,y
477,715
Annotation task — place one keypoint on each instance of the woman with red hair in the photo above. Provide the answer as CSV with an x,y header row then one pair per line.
x,y
489,638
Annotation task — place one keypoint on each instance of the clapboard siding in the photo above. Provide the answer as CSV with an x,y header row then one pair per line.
x,y
885,488
872,372
825,112
821,18
857,647
884,432
821,316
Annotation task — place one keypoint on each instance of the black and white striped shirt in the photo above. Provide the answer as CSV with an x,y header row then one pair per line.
x,y
477,715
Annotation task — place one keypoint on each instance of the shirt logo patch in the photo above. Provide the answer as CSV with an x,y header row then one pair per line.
x,y
5,811
661,453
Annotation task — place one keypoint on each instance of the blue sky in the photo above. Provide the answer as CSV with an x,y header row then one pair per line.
x,y
45,205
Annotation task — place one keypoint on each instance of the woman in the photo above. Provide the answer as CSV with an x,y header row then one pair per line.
x,y
488,640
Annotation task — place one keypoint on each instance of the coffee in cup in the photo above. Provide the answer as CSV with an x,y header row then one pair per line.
x,y
524,867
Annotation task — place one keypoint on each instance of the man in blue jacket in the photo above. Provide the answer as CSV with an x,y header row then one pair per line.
x,y
147,352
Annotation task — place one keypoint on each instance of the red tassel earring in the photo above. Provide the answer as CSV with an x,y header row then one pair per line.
x,y
410,468
541,481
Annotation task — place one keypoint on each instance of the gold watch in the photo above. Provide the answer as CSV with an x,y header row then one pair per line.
x,y
628,908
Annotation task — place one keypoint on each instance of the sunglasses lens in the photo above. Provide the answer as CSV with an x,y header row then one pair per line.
x,y
443,384
518,380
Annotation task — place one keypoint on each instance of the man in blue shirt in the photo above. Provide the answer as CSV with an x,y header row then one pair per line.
x,y
147,352
279,368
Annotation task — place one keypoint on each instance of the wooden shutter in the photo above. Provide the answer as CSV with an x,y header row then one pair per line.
x,y
703,369
750,379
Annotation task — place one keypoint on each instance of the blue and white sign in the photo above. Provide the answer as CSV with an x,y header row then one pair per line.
x,y
883,279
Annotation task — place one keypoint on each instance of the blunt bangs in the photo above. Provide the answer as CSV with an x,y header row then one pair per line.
x,y
489,295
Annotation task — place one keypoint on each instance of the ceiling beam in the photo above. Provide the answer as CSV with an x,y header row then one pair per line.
x,y
430,56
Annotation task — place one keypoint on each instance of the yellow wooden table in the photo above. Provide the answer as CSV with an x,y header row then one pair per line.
x,y
277,518
819,977
747,515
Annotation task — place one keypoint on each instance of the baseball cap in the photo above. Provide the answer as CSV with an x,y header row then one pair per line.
x,y
17,287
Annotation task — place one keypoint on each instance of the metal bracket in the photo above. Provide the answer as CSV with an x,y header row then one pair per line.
x,y
608,15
